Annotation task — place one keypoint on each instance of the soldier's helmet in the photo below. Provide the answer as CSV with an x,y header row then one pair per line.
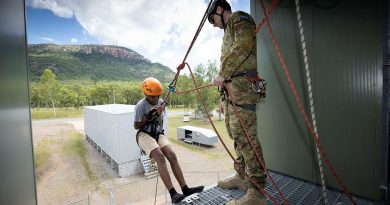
x,y
151,86
213,8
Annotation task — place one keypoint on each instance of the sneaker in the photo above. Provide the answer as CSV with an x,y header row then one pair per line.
x,y
177,198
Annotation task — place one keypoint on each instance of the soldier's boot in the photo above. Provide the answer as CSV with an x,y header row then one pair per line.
x,y
252,197
232,182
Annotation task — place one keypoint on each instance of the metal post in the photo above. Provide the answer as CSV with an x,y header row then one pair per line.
x,y
111,197
88,200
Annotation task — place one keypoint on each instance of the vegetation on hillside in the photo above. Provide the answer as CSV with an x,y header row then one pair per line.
x,y
92,63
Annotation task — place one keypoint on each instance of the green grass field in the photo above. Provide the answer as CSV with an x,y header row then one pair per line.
x,y
48,113
176,121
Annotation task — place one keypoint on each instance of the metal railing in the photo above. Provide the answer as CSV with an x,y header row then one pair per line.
x,y
153,191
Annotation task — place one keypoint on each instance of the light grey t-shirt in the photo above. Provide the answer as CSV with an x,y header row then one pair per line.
x,y
143,107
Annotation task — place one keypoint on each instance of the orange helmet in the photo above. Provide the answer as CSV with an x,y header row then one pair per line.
x,y
151,86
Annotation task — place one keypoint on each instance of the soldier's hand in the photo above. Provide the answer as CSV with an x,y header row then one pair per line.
x,y
218,80
221,107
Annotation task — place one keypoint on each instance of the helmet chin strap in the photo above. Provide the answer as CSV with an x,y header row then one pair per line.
x,y
222,20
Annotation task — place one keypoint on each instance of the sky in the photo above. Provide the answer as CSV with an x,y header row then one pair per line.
x,y
160,30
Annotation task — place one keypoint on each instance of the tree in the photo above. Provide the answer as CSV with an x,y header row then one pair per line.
x,y
67,97
187,99
203,76
50,87
81,94
131,92
212,70
36,98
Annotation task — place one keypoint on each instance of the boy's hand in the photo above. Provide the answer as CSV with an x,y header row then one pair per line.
x,y
153,113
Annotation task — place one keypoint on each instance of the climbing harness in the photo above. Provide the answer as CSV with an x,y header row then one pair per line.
x,y
153,129
309,89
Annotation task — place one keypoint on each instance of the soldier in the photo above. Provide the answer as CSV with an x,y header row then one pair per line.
x,y
151,139
238,72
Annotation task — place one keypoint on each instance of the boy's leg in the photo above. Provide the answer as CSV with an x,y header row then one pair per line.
x,y
157,155
152,149
150,146
171,156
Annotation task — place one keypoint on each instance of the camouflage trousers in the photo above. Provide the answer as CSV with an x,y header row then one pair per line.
x,y
246,158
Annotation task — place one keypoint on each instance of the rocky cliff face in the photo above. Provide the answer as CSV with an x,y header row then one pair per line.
x,y
114,51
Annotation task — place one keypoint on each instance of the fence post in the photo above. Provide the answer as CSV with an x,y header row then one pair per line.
x,y
88,199
111,197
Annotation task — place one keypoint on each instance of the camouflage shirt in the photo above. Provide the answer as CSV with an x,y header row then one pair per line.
x,y
239,54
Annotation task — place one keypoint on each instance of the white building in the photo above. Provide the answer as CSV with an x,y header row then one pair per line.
x,y
109,128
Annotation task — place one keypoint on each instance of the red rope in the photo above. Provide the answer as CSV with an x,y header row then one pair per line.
x,y
201,87
263,20
252,145
181,66
224,145
301,107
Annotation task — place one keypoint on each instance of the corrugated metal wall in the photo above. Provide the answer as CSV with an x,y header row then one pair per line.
x,y
385,179
344,39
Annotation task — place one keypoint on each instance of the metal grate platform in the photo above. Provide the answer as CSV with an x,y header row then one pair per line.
x,y
295,190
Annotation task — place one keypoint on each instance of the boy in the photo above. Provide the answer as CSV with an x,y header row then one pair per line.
x,y
150,137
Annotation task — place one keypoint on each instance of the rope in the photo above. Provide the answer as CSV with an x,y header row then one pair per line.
x,y
172,87
201,87
181,66
301,107
253,148
263,20
224,145
309,88
155,192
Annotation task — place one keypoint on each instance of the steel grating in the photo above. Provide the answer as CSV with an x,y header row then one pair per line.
x,y
295,190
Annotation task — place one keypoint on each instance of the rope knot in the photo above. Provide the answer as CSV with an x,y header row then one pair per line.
x,y
181,66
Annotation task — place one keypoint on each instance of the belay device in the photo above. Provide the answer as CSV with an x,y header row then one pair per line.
x,y
257,84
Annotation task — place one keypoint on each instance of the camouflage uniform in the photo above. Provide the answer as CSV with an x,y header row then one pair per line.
x,y
239,54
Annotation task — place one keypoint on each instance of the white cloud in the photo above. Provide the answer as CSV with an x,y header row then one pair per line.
x,y
57,7
161,30
73,40
49,40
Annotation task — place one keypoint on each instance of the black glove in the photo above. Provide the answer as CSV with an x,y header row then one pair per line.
x,y
152,113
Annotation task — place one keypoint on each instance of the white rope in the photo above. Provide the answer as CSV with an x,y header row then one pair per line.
x,y
155,193
309,88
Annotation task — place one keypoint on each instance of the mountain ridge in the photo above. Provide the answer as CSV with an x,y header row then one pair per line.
x,y
93,62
